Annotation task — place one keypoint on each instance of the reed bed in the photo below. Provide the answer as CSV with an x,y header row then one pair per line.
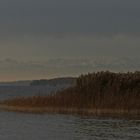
x,y
95,93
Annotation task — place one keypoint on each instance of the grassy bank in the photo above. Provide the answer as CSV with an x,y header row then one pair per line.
x,y
76,111
94,93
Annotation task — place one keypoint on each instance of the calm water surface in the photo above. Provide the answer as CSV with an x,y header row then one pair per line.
x,y
9,92
18,126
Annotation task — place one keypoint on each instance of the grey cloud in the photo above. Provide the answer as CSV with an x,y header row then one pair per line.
x,y
44,29
70,45
17,70
39,16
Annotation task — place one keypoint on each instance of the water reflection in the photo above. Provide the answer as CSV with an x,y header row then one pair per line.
x,y
16,126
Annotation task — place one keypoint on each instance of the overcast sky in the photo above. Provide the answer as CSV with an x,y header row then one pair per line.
x,y
38,30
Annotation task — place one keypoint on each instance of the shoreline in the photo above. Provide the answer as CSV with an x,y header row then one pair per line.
x,y
86,112
100,93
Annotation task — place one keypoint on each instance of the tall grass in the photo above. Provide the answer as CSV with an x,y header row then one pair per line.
x,y
101,90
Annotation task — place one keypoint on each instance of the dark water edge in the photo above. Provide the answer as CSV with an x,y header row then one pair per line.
x,y
106,113
23,126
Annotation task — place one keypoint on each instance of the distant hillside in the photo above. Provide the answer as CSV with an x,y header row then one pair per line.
x,y
54,82
42,82
16,83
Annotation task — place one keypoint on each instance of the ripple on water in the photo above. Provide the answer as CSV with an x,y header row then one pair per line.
x,y
15,126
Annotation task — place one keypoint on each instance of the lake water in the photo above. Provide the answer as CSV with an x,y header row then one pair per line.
x,y
19,126
8,92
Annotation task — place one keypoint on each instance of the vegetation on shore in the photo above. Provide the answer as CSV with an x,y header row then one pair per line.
x,y
95,91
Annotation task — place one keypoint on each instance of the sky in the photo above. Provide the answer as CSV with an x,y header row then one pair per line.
x,y
71,33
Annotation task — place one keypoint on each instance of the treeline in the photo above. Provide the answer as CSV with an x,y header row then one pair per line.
x,y
101,90
54,82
